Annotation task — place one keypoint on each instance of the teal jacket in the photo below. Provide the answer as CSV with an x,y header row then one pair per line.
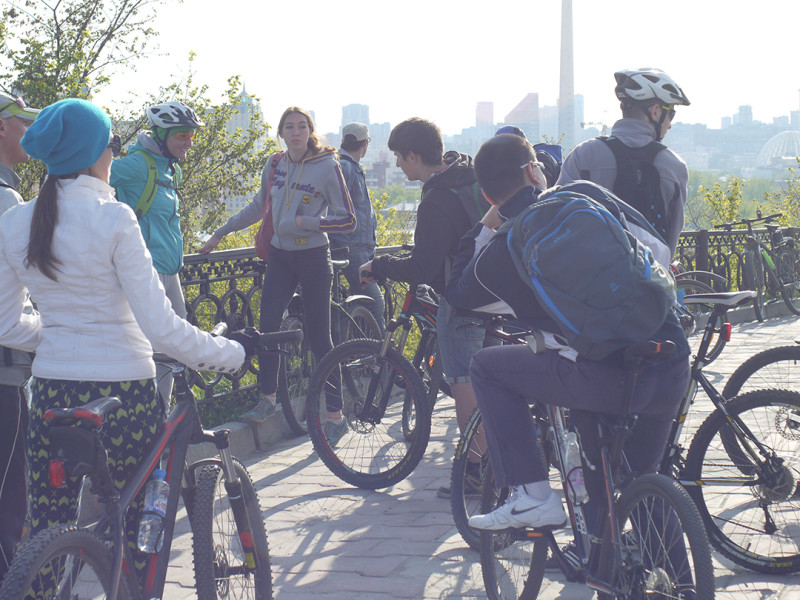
x,y
160,225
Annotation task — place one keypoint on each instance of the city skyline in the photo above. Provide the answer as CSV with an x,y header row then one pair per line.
x,y
431,60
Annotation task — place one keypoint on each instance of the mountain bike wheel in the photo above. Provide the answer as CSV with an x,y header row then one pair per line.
x,y
750,504
363,324
788,266
776,368
753,279
293,375
220,565
369,451
466,478
513,565
63,561
665,551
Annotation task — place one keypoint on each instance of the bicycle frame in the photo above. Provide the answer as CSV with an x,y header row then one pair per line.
x,y
181,429
670,464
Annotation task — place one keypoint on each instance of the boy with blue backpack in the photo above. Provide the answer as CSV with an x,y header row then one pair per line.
x,y
587,378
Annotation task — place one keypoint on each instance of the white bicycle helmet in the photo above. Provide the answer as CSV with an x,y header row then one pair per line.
x,y
642,85
172,114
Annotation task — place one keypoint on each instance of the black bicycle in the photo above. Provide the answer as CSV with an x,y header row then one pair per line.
x,y
743,464
773,268
648,541
231,553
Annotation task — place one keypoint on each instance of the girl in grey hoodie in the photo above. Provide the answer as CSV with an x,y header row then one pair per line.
x,y
309,200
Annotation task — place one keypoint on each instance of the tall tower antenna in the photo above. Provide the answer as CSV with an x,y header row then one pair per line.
x,y
566,96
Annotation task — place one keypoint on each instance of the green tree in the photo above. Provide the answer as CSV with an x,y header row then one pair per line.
x,y
68,49
786,200
724,205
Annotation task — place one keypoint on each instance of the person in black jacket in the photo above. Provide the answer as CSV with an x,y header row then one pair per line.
x,y
441,221
507,378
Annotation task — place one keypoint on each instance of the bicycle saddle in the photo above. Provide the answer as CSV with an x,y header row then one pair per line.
x,y
89,415
729,299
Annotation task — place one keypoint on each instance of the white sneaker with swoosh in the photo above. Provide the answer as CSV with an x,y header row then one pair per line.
x,y
521,510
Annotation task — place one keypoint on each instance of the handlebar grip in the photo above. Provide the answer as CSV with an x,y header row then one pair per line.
x,y
220,329
281,337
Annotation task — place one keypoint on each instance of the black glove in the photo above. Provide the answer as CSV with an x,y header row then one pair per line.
x,y
248,338
235,321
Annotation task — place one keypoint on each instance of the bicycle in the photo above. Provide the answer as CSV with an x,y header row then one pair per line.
x,y
769,269
384,399
743,462
231,552
648,540
351,318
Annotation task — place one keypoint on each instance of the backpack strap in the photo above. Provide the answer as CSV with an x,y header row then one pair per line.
x,y
149,193
622,150
472,201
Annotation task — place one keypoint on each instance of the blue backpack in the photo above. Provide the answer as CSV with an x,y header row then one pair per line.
x,y
599,283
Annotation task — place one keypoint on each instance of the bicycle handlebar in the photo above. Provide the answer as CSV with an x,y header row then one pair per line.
x,y
265,340
766,219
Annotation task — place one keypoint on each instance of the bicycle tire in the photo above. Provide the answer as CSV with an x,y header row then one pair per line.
x,y
50,550
464,505
788,266
753,279
219,562
775,368
750,522
294,371
665,549
363,324
372,453
513,566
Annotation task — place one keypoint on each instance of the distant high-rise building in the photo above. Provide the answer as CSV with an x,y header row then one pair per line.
x,y
525,115
566,96
355,113
744,116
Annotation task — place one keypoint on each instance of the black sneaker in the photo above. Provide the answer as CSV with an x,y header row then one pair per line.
x,y
443,492
570,553
473,482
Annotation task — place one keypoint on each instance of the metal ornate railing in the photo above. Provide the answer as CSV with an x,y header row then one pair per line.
x,y
229,281
720,251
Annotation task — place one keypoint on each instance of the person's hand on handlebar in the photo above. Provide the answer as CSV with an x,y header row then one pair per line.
x,y
212,243
365,274
248,337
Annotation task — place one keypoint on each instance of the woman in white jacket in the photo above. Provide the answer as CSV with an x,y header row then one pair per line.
x,y
81,255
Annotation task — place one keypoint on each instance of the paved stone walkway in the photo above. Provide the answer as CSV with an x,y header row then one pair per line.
x,y
331,541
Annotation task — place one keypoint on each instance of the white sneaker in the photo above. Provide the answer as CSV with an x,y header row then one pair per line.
x,y
520,510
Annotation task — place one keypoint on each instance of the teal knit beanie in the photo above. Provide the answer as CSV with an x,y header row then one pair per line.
x,y
68,136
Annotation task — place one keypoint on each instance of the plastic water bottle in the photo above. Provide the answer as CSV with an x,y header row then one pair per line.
x,y
575,484
155,510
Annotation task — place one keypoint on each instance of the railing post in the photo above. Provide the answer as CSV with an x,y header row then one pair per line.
x,y
701,259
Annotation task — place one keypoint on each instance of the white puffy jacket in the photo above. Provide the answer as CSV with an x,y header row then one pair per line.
x,y
97,322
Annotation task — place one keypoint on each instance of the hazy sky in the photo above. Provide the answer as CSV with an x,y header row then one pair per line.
x,y
437,59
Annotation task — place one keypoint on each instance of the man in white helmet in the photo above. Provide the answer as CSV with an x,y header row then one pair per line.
x,y
632,161
147,180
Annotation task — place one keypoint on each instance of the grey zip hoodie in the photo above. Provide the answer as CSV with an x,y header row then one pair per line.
x,y
312,189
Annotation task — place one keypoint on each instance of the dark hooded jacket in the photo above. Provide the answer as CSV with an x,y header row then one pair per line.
x,y
441,221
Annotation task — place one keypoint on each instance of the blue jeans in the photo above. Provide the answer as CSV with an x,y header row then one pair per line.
x,y
358,256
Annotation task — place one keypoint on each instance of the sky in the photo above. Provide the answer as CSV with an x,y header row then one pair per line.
x,y
436,59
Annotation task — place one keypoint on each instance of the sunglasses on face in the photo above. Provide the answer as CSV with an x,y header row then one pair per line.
x,y
116,145
18,101
670,110
184,136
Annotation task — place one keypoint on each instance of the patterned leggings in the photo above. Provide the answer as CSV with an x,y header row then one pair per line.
x,y
125,434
